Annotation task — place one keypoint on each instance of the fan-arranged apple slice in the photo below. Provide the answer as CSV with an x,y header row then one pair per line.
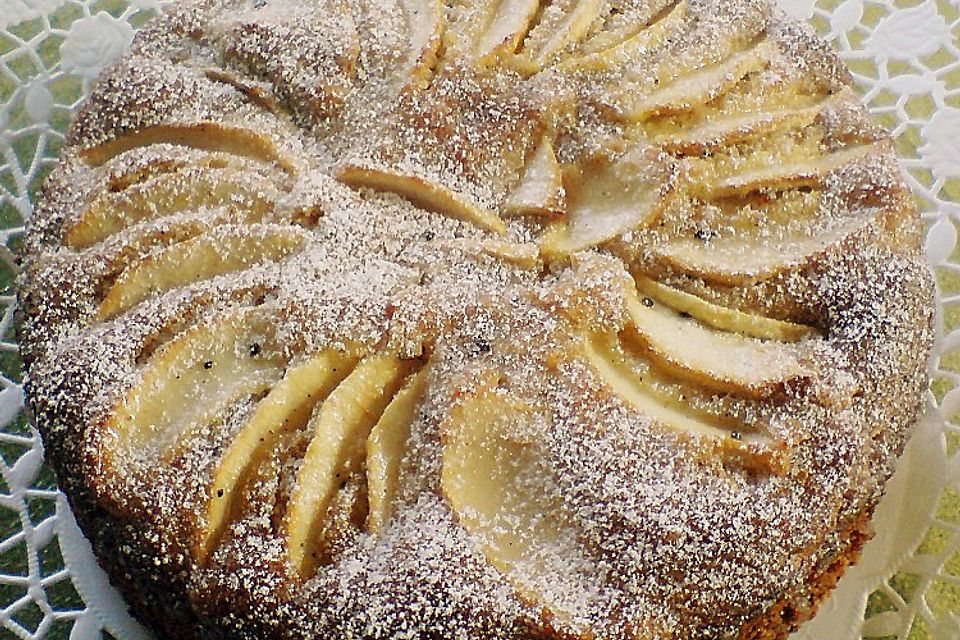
x,y
540,191
786,163
169,193
493,480
609,196
139,241
488,29
724,318
734,441
425,28
611,49
423,193
743,259
226,250
209,136
562,24
727,362
286,409
341,427
727,125
695,89
386,447
190,381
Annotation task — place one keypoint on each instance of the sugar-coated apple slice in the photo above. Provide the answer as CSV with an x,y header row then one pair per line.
x,y
423,193
286,409
191,380
727,362
226,250
386,447
425,28
783,167
741,259
210,136
341,427
169,193
697,88
562,23
724,318
505,29
540,191
493,480
610,49
734,441
727,129
488,29
609,196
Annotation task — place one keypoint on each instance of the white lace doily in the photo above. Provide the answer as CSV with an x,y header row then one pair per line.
x,y
905,55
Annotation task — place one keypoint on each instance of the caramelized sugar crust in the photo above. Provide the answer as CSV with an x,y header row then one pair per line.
x,y
477,318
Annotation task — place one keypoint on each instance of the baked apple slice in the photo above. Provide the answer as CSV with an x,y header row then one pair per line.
x,y
190,381
225,250
635,384
719,360
423,193
610,49
386,447
609,196
489,29
563,23
540,191
724,318
739,260
286,409
494,480
341,427
696,89
208,136
169,193
425,29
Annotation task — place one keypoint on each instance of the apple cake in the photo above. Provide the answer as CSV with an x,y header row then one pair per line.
x,y
491,319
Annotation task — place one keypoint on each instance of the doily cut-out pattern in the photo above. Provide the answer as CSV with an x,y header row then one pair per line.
x,y
905,57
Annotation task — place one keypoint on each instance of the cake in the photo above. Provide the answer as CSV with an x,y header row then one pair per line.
x,y
489,319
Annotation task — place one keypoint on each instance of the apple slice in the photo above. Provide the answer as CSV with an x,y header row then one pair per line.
x,y
727,129
488,29
540,191
726,362
495,483
428,195
697,88
163,161
169,193
139,241
385,448
724,318
780,168
734,441
210,136
341,427
226,250
740,260
425,27
611,49
563,23
506,28
286,409
610,197
191,380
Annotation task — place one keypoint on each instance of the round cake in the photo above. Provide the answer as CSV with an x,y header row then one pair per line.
x,y
487,319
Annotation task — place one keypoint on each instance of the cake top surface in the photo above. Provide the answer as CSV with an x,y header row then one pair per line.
x,y
477,318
